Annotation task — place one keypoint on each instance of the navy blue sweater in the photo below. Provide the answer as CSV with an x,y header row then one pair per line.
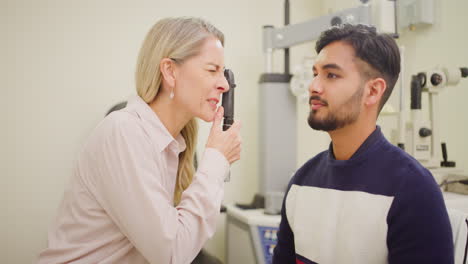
x,y
380,206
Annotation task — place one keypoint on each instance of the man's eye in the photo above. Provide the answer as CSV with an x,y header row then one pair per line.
x,y
211,70
332,76
315,74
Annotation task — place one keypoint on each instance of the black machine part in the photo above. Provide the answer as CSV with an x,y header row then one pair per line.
x,y
436,79
416,90
464,72
425,132
228,100
286,50
445,162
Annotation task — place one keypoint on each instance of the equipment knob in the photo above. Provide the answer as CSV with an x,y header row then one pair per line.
x,y
436,79
464,72
336,21
425,132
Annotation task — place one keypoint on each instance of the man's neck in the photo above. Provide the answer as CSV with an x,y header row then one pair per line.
x,y
347,140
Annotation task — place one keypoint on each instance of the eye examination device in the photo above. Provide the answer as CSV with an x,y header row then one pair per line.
x,y
228,104
423,135
228,100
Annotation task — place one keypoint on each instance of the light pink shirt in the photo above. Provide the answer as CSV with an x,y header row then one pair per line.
x,y
119,205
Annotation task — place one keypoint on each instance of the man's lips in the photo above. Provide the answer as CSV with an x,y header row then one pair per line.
x,y
315,106
315,102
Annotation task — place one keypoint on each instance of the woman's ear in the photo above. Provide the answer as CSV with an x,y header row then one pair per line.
x,y
376,89
166,66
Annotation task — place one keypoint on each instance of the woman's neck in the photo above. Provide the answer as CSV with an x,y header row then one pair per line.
x,y
170,114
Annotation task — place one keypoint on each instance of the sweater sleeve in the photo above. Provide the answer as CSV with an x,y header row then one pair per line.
x,y
284,251
419,229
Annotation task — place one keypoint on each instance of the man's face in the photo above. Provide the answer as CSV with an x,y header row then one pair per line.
x,y
337,88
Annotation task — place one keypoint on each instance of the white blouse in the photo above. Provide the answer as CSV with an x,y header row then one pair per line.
x,y
119,205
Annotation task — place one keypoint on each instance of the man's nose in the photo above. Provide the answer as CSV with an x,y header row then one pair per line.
x,y
315,86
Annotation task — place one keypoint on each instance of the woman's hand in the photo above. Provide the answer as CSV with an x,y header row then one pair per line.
x,y
227,142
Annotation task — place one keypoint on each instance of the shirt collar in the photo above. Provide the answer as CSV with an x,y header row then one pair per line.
x,y
162,136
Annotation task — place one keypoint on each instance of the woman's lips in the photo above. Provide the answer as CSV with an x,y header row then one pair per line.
x,y
213,103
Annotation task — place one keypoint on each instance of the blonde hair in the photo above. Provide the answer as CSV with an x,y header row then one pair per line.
x,y
179,39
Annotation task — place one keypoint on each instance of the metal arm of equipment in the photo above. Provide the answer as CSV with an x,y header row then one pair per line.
x,y
294,34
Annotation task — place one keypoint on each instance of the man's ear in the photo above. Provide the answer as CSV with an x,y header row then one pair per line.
x,y
167,68
376,89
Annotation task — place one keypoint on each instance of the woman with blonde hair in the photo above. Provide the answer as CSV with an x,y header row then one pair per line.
x,y
135,196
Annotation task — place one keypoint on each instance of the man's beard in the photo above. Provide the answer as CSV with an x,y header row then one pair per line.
x,y
345,114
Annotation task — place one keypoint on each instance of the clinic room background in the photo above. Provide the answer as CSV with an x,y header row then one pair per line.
x,y
66,63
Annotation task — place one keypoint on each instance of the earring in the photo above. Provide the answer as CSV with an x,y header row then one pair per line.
x,y
171,95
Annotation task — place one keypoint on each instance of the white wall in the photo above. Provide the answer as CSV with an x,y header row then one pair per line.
x,y
65,63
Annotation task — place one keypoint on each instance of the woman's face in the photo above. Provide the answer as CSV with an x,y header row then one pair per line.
x,y
200,81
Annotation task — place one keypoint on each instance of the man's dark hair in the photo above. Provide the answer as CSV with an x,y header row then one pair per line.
x,y
379,51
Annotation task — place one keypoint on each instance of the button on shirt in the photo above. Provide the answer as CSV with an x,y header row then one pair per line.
x,y
119,207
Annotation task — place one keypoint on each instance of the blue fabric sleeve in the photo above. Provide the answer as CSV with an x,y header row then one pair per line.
x,y
419,228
